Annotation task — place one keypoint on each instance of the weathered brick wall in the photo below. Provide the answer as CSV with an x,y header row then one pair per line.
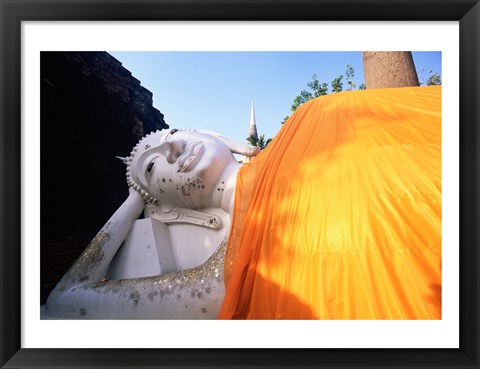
x,y
92,109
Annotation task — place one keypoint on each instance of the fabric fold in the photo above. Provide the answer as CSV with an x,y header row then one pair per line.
x,y
340,216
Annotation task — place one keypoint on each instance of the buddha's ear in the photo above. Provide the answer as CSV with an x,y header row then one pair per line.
x,y
234,146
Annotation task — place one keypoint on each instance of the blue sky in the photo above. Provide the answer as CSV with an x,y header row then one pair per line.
x,y
214,90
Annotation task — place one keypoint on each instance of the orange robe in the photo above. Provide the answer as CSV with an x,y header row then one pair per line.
x,y
340,217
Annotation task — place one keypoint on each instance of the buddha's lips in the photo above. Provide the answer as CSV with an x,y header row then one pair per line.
x,y
192,151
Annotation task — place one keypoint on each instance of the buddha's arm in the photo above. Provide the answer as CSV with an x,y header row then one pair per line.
x,y
92,265
190,294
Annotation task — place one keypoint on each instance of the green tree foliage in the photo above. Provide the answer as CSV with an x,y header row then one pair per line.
x,y
337,84
300,99
318,88
433,78
349,75
285,119
260,141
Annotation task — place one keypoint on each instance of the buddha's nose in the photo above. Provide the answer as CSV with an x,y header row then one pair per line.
x,y
173,149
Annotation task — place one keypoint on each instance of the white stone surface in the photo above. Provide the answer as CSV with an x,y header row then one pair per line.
x,y
147,251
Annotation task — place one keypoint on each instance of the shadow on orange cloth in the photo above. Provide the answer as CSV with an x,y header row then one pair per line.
x,y
340,217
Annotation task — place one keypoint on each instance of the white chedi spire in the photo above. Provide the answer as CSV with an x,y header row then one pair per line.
x,y
252,131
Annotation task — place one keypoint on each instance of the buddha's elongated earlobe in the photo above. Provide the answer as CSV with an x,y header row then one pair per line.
x,y
234,146
125,161
132,179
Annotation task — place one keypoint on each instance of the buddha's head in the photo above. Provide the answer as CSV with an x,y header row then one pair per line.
x,y
182,167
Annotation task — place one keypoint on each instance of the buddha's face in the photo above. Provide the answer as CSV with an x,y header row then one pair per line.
x,y
181,167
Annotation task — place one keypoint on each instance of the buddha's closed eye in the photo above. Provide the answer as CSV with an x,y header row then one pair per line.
x,y
172,132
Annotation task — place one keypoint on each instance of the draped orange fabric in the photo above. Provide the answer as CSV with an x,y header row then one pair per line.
x,y
340,217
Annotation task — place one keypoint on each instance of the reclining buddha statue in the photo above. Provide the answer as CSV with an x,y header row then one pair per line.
x,y
338,218
170,263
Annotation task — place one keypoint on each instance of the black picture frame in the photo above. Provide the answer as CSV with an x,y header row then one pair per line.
x,y
467,12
